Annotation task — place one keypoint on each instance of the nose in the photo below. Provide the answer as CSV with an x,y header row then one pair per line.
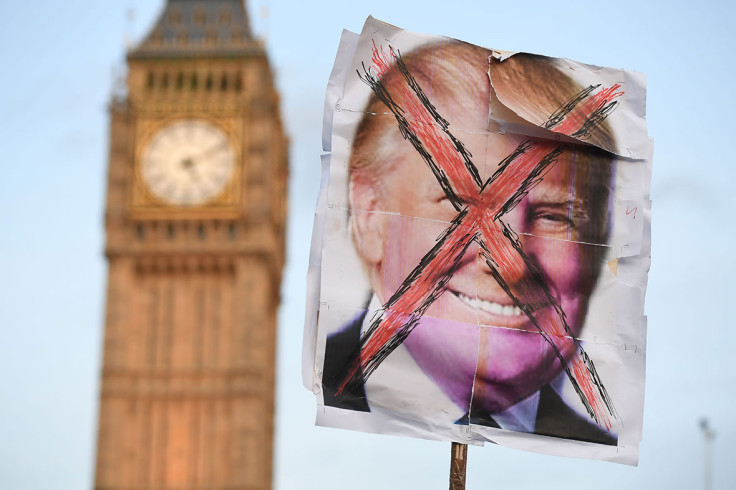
x,y
514,218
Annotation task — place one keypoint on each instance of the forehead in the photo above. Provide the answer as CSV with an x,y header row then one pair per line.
x,y
453,77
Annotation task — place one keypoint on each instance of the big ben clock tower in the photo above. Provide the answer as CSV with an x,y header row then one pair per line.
x,y
195,244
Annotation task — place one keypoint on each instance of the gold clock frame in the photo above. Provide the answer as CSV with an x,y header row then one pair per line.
x,y
143,204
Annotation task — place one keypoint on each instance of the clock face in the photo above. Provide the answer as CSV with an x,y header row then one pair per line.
x,y
188,163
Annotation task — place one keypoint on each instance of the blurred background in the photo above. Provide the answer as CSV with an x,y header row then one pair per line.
x,y
60,61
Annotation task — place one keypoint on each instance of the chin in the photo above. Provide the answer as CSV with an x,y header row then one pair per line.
x,y
513,365
447,352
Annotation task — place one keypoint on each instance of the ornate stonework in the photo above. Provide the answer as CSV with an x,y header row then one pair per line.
x,y
187,396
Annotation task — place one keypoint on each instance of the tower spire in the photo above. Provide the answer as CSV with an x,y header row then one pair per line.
x,y
195,28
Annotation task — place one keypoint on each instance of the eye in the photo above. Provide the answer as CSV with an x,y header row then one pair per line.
x,y
552,221
555,217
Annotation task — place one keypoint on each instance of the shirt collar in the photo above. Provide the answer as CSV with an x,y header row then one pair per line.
x,y
520,417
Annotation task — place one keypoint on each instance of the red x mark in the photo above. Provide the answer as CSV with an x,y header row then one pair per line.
x,y
480,220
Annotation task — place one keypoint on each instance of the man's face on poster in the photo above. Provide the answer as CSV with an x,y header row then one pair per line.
x,y
473,341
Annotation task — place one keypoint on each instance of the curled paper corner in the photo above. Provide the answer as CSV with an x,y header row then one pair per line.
x,y
372,19
502,55
613,266
505,114
599,100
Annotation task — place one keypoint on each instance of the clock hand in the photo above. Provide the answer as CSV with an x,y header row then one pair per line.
x,y
210,151
190,165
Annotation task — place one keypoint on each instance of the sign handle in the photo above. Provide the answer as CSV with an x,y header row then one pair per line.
x,y
458,463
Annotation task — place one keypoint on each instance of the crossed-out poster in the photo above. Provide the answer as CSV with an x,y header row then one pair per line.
x,y
481,246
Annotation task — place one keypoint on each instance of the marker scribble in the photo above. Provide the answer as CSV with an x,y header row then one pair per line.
x,y
480,220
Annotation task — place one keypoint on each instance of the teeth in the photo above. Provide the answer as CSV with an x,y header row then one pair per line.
x,y
490,306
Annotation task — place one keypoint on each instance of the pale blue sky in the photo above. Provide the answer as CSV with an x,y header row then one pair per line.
x,y
58,60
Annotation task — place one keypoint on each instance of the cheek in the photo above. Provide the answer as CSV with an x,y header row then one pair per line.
x,y
560,263
407,241
567,271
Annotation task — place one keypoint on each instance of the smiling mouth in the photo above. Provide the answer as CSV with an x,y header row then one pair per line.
x,y
491,307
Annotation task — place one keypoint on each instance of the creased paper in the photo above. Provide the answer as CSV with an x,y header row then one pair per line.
x,y
481,247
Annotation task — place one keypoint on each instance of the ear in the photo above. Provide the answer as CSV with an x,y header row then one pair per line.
x,y
369,226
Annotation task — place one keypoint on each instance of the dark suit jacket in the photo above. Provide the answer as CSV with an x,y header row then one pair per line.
x,y
554,417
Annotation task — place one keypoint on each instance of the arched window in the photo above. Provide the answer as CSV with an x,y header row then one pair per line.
x,y
225,17
199,18
175,17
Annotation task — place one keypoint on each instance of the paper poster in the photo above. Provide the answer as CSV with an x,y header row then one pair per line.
x,y
481,247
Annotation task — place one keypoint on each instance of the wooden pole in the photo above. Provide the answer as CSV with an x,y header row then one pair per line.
x,y
458,463
709,435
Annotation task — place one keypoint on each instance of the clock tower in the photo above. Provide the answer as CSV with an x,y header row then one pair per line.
x,y
195,217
